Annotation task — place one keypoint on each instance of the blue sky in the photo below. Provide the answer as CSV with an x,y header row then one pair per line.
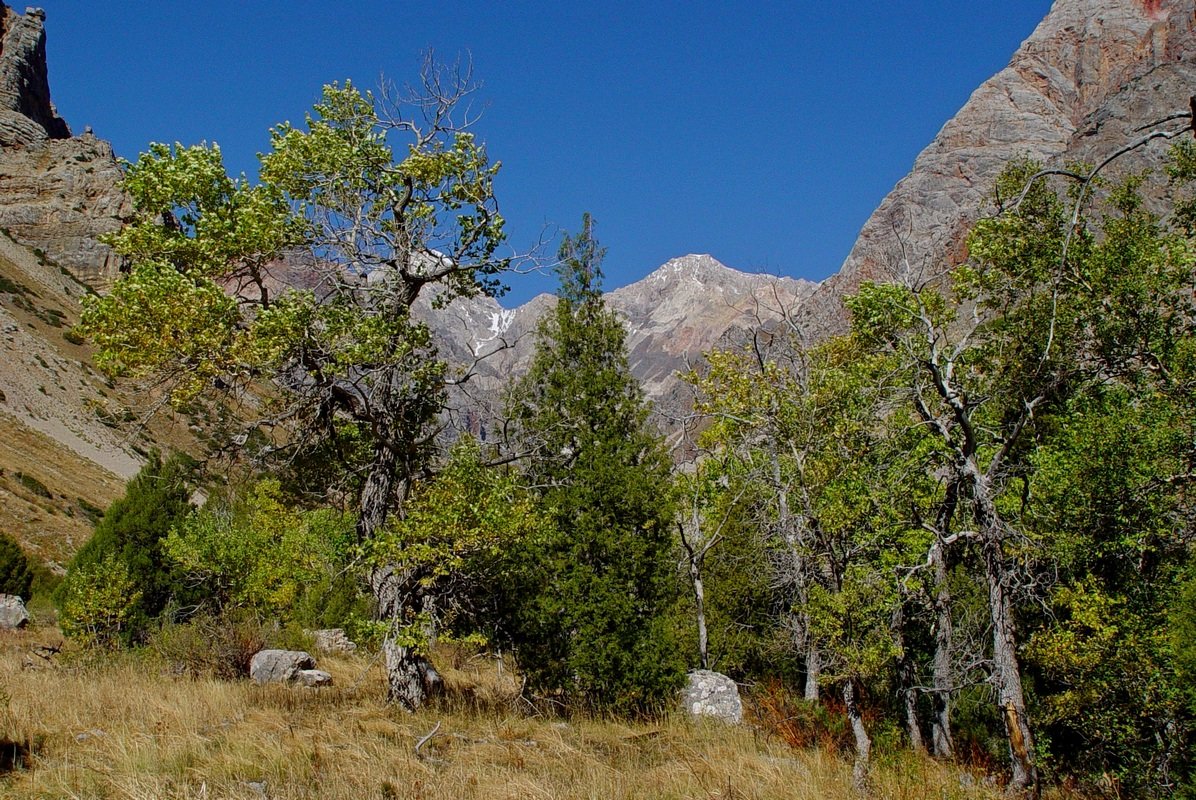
x,y
763,133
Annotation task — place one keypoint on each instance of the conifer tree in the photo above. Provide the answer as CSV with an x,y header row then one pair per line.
x,y
595,591
16,574
130,536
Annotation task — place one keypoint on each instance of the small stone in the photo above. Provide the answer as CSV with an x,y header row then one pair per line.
x,y
313,677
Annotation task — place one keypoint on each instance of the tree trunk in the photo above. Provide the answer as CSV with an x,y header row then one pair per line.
x,y
1007,676
377,491
411,679
863,744
1007,673
940,720
695,576
813,668
906,679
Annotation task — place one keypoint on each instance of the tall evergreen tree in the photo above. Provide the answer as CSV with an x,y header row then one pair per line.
x,y
131,533
594,592
16,573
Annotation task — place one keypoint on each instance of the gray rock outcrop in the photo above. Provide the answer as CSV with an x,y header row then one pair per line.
x,y
333,640
12,612
26,113
712,694
58,193
1089,74
279,666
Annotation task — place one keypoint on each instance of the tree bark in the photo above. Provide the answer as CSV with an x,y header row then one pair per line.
x,y
906,679
813,668
1007,676
411,679
695,575
940,720
863,743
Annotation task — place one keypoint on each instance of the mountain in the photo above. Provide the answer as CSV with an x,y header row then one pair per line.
x,y
1091,73
682,309
69,439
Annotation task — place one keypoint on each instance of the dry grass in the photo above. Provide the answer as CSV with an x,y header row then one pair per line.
x,y
125,729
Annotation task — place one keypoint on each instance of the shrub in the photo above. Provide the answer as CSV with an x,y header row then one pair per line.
x,y
16,572
99,603
131,532
210,645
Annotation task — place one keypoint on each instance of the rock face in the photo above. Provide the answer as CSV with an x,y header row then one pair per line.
x,y
279,666
1091,73
712,694
57,193
12,612
26,113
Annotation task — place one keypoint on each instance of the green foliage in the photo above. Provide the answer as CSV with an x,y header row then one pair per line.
x,y
130,535
258,554
593,594
454,543
409,206
99,603
16,572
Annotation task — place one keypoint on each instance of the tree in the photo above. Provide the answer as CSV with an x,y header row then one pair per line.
x,y
356,376
130,535
592,618
16,574
831,466
452,546
1054,310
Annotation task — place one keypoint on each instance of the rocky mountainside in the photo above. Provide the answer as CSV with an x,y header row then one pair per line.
x,y
682,309
1090,74
57,192
68,438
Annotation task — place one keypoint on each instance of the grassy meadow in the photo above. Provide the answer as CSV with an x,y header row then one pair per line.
x,y
125,726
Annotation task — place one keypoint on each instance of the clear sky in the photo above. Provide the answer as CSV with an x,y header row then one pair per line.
x,y
763,133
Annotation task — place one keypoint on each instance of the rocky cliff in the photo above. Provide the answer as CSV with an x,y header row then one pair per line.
x,y
1089,74
58,193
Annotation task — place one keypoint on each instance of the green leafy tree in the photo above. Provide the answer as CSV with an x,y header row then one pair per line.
x,y
131,533
592,621
451,548
16,573
1058,313
99,604
392,198
810,428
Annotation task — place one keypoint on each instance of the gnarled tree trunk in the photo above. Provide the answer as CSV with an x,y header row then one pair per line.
x,y
411,679
863,743
1007,676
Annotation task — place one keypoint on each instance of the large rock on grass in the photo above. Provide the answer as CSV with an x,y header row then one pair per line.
x,y
12,612
279,666
712,694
